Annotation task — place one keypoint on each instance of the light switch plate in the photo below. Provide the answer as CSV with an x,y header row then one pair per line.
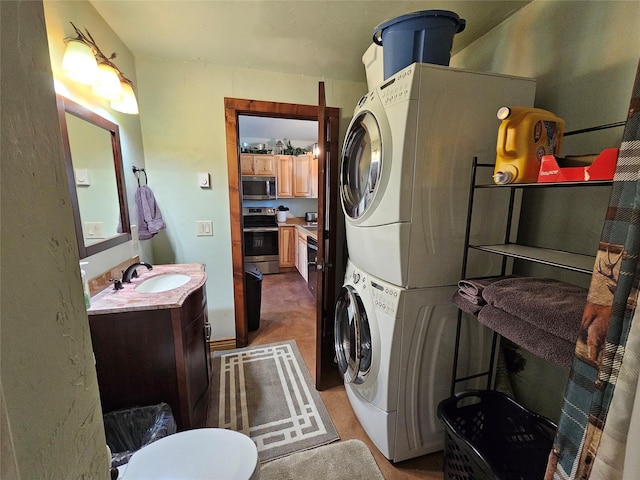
x,y
204,228
93,230
82,177
203,180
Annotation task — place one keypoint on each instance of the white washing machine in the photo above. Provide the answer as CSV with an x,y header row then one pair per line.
x,y
406,167
395,350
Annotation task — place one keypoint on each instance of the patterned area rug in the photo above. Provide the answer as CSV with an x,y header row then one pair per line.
x,y
267,393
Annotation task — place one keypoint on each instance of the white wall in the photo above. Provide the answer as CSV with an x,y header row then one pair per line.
x,y
183,125
583,54
51,420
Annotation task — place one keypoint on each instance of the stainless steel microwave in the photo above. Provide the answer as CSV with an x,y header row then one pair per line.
x,y
258,187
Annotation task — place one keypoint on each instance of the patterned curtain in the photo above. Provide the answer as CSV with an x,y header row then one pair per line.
x,y
594,429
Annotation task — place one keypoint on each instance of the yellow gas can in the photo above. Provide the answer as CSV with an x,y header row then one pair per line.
x,y
524,136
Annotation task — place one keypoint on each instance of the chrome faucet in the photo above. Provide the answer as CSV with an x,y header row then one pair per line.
x,y
131,271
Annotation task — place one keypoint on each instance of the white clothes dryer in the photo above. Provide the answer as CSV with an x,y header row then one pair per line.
x,y
406,166
394,348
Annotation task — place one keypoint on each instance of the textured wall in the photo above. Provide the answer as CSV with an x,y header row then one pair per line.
x,y
48,377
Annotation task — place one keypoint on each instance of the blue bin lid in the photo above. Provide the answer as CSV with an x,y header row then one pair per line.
x,y
377,32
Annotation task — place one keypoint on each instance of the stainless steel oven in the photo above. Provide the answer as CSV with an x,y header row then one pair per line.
x,y
260,231
258,188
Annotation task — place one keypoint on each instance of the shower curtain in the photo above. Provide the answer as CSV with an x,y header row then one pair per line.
x,y
598,433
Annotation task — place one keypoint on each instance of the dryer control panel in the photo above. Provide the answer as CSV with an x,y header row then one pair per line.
x,y
398,88
385,298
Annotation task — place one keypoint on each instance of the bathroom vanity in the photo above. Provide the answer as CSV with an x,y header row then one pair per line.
x,y
151,343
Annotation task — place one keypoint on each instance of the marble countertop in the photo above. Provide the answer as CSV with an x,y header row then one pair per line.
x,y
128,299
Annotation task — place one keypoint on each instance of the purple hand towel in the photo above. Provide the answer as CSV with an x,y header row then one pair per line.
x,y
149,217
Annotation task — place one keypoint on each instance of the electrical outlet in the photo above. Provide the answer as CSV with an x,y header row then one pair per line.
x,y
204,228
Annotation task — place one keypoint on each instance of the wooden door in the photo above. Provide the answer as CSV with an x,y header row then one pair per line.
x,y
326,189
326,374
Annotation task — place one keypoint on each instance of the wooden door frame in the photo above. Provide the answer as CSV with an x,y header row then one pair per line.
x,y
233,107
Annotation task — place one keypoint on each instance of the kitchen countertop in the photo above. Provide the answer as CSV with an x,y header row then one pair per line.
x,y
301,224
128,299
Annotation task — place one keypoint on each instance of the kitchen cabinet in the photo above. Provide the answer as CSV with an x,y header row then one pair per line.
x,y
257,164
301,254
145,357
303,176
284,165
287,246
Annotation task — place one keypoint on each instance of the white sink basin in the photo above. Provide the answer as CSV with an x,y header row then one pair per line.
x,y
162,283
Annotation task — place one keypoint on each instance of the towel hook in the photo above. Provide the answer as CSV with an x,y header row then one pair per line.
x,y
136,171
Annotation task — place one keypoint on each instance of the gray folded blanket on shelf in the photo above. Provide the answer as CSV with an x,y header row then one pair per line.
x,y
542,315
470,289
551,305
537,341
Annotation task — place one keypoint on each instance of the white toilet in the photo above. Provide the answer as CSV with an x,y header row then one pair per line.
x,y
205,453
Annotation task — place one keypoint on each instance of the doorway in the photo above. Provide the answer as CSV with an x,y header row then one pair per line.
x,y
328,119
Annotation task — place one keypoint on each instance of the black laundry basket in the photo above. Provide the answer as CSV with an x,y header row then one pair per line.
x,y
253,295
129,430
490,436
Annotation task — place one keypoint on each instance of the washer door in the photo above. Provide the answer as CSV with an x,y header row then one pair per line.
x,y
360,166
352,337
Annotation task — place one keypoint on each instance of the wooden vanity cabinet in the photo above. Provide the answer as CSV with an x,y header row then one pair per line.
x,y
152,356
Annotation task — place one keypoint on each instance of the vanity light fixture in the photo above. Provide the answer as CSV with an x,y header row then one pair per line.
x,y
108,84
128,104
107,80
79,63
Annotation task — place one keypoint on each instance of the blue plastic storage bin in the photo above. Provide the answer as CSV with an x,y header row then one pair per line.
x,y
425,36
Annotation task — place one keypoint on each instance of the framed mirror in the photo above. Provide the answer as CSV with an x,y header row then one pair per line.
x,y
93,160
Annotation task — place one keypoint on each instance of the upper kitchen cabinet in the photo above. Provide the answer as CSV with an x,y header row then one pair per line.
x,y
257,164
305,176
285,175
297,176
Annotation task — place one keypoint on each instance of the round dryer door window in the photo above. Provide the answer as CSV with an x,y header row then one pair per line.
x,y
360,165
352,337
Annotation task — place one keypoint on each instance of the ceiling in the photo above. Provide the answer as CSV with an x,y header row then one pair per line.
x,y
322,38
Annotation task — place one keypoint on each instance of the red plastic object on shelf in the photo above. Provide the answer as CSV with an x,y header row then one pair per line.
x,y
602,168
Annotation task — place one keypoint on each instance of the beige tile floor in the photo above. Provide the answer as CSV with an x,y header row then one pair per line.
x,y
288,312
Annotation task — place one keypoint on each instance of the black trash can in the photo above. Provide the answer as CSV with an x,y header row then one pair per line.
x,y
129,430
253,295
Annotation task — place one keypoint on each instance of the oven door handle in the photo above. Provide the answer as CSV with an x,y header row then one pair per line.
x,y
261,229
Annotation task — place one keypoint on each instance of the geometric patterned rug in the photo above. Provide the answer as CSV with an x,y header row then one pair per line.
x,y
266,392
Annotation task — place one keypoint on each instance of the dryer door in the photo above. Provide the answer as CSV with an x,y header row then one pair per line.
x,y
360,165
352,337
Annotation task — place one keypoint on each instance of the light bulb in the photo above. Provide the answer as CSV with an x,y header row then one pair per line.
x,y
108,85
79,64
128,104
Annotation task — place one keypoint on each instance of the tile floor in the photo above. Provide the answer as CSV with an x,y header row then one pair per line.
x,y
288,312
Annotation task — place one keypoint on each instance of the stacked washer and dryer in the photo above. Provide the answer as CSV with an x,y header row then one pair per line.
x,y
404,184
